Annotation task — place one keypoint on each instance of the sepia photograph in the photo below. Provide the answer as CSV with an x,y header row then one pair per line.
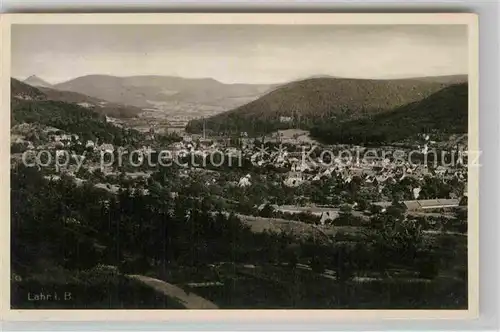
x,y
242,164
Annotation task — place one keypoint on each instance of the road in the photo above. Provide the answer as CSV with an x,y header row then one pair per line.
x,y
189,300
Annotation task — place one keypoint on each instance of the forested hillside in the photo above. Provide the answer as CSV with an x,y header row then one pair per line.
x,y
445,111
313,101
23,91
28,105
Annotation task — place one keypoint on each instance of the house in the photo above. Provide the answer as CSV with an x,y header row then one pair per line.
x,y
65,137
416,192
88,105
438,203
247,143
286,119
90,144
205,142
301,167
425,204
440,170
177,146
49,130
107,147
325,213
245,181
294,179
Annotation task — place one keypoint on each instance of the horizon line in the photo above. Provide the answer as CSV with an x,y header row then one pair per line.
x,y
313,76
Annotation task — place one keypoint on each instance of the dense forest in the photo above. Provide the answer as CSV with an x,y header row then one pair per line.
x,y
445,111
312,101
73,119
63,235
86,239
100,106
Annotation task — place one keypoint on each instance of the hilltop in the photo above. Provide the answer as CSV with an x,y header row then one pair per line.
x,y
36,81
444,112
21,90
448,79
312,101
145,91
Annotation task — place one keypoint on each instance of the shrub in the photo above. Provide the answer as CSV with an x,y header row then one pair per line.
x,y
345,219
17,147
427,265
267,211
397,242
374,209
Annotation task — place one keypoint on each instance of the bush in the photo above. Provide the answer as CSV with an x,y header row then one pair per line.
x,y
17,148
427,265
135,265
362,205
345,208
397,242
267,211
374,209
347,220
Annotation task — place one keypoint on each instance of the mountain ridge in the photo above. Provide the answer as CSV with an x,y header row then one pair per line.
x,y
21,90
443,112
142,90
311,101
36,81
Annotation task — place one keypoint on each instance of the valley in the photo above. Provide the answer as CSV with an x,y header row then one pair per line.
x,y
246,208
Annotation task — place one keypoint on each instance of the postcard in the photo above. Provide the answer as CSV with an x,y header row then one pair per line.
x,y
229,166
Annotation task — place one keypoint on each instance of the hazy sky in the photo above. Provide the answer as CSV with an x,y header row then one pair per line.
x,y
245,54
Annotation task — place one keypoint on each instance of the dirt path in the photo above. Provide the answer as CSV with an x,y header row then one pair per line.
x,y
189,300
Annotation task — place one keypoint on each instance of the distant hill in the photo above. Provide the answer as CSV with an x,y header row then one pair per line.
x,y
21,90
30,105
449,79
36,81
444,112
144,91
312,101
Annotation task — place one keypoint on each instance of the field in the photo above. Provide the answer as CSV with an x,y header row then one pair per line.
x,y
298,228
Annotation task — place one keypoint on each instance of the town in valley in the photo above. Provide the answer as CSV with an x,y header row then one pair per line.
x,y
168,192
